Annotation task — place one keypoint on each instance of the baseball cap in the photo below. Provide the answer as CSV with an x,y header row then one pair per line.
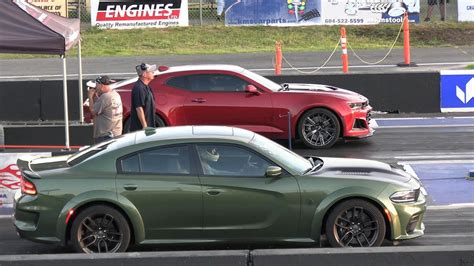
x,y
104,80
145,67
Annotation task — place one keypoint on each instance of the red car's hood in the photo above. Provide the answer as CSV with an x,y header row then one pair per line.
x,y
326,89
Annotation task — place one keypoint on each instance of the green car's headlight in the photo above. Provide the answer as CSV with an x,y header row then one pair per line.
x,y
405,196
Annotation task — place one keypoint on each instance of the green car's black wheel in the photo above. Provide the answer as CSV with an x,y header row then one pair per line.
x,y
319,128
100,229
158,123
355,223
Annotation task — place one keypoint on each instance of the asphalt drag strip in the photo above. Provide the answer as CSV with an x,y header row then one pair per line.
x,y
408,122
446,183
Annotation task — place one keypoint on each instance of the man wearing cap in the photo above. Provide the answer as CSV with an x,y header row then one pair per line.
x,y
143,100
105,105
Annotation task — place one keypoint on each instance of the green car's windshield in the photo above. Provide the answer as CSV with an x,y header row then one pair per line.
x,y
281,154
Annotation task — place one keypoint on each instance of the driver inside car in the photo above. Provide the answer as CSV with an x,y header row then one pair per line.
x,y
209,156
212,163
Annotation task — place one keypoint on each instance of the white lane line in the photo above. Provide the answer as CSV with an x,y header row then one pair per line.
x,y
439,157
423,117
5,216
428,154
428,126
451,206
451,235
437,162
458,219
440,64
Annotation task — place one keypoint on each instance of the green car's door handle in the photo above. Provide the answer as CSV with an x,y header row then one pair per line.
x,y
214,192
130,187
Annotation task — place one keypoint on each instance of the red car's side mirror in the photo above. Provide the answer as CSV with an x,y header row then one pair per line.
x,y
252,89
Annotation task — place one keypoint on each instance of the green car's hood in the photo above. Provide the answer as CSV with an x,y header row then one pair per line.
x,y
357,168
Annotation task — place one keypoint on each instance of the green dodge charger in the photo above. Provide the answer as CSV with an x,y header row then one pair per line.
x,y
202,184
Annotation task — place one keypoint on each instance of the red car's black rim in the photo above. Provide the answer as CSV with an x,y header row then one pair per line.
x,y
100,234
356,227
319,129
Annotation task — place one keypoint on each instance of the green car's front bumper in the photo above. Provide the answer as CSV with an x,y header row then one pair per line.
x,y
406,218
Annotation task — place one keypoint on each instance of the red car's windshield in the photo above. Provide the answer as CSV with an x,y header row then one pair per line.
x,y
262,80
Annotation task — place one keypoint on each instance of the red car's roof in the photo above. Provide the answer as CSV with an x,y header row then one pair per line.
x,y
184,68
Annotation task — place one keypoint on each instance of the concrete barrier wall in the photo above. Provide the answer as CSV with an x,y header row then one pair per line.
x,y
2,137
191,258
399,92
79,135
37,100
387,256
403,92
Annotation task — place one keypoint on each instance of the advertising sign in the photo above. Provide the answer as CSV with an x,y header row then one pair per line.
x,y
457,90
129,14
10,176
465,10
360,12
58,7
272,13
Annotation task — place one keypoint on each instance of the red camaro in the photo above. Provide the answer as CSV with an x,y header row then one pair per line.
x,y
233,96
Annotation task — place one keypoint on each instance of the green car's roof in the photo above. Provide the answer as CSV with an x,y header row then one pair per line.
x,y
192,132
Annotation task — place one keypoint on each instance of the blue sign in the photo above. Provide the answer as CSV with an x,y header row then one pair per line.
x,y
275,12
457,91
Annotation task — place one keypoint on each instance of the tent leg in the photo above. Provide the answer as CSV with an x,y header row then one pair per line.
x,y
81,111
66,116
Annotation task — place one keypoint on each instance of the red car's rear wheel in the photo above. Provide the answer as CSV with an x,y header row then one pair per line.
x,y
158,123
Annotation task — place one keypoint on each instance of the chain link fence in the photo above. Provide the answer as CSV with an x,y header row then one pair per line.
x,y
204,12
451,10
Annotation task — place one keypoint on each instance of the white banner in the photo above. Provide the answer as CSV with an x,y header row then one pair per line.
x,y
465,10
130,14
10,176
359,12
58,7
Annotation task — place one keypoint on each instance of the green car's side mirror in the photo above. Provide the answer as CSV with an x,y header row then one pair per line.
x,y
273,171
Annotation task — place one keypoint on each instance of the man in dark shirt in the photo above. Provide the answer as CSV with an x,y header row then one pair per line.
x,y
143,101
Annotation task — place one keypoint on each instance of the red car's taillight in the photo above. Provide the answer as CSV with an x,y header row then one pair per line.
x,y
27,187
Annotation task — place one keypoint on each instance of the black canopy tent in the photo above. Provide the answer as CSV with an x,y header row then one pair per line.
x,y
26,29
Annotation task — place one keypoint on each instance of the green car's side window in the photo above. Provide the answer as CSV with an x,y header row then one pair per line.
x,y
131,164
226,160
164,160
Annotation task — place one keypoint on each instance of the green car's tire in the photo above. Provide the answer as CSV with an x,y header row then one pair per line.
x,y
355,223
100,229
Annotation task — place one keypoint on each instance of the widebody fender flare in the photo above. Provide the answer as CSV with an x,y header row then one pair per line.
x,y
336,197
107,197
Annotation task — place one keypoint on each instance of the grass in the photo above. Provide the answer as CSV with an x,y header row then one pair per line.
x,y
470,67
219,39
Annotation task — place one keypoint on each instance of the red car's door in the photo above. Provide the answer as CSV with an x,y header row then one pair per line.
x,y
221,99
